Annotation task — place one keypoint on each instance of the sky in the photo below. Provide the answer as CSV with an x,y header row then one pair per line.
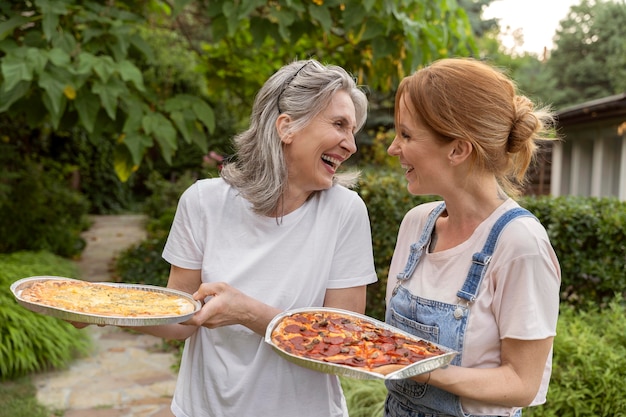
x,y
538,20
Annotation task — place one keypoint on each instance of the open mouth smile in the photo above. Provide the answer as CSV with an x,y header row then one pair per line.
x,y
331,162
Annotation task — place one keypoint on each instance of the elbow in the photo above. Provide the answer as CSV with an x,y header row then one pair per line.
x,y
525,397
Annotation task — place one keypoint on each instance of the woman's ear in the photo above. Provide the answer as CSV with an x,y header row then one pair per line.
x,y
460,151
282,126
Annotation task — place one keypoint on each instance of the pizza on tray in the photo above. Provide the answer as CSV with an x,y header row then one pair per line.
x,y
105,300
341,339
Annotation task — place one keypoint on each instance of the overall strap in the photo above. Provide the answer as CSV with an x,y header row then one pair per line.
x,y
481,260
418,248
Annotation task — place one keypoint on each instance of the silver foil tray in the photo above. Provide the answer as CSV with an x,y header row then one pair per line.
x,y
408,371
18,286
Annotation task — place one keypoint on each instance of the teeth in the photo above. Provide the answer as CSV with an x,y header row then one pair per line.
x,y
334,162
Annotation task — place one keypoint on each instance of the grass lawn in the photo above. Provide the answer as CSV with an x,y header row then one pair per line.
x,y
18,398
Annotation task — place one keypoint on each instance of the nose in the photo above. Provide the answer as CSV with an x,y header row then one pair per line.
x,y
393,149
349,143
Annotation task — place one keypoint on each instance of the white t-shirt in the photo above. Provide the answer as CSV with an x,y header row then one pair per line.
x,y
518,297
324,244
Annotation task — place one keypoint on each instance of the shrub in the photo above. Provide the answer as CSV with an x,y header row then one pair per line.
x,y
365,398
38,210
31,342
589,365
589,238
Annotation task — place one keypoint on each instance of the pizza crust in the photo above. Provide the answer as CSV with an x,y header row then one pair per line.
x,y
105,300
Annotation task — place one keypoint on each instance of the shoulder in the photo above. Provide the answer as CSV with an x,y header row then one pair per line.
x,y
418,214
524,234
340,196
205,187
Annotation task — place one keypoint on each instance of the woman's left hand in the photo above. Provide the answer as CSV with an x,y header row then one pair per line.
x,y
225,305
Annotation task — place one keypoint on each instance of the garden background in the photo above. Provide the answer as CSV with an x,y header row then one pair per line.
x,y
116,107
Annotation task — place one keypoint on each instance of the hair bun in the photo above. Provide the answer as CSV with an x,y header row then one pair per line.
x,y
525,125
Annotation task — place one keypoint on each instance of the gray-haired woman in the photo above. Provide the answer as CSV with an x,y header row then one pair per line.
x,y
276,231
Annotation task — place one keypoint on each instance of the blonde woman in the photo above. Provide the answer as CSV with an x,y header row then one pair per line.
x,y
474,272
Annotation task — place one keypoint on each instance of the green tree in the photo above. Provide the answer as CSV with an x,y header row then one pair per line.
x,y
589,61
69,63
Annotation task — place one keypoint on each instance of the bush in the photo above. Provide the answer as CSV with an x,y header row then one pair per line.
x,y
589,237
589,365
365,398
31,342
38,210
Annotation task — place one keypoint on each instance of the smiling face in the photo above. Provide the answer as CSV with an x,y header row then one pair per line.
x,y
314,153
421,154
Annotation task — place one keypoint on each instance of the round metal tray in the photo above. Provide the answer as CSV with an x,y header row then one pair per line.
x,y
419,367
80,317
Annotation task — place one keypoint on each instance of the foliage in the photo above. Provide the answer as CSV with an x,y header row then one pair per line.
x,y
592,36
80,63
369,38
18,399
365,398
31,342
142,263
77,63
588,376
38,211
589,238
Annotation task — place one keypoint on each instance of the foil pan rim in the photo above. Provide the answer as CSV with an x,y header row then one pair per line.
x,y
69,315
417,368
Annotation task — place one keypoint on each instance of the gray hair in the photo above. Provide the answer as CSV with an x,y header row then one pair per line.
x,y
302,89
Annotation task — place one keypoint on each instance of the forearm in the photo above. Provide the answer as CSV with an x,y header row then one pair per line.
x,y
492,385
166,331
514,383
259,316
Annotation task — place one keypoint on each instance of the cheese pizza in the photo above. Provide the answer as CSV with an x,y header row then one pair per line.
x,y
105,300
342,339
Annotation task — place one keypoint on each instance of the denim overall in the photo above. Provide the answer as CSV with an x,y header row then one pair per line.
x,y
440,323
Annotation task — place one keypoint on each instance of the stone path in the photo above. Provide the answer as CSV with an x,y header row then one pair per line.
x,y
127,374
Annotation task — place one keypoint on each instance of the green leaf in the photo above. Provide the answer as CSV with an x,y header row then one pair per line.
x,y
354,17
322,15
54,92
7,98
65,41
87,105
205,113
142,46
137,144
14,70
55,107
7,27
49,25
104,66
109,93
59,57
129,72
86,63
53,6
181,123
122,162
163,131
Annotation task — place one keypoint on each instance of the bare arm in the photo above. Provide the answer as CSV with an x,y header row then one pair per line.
x,y
513,384
352,299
